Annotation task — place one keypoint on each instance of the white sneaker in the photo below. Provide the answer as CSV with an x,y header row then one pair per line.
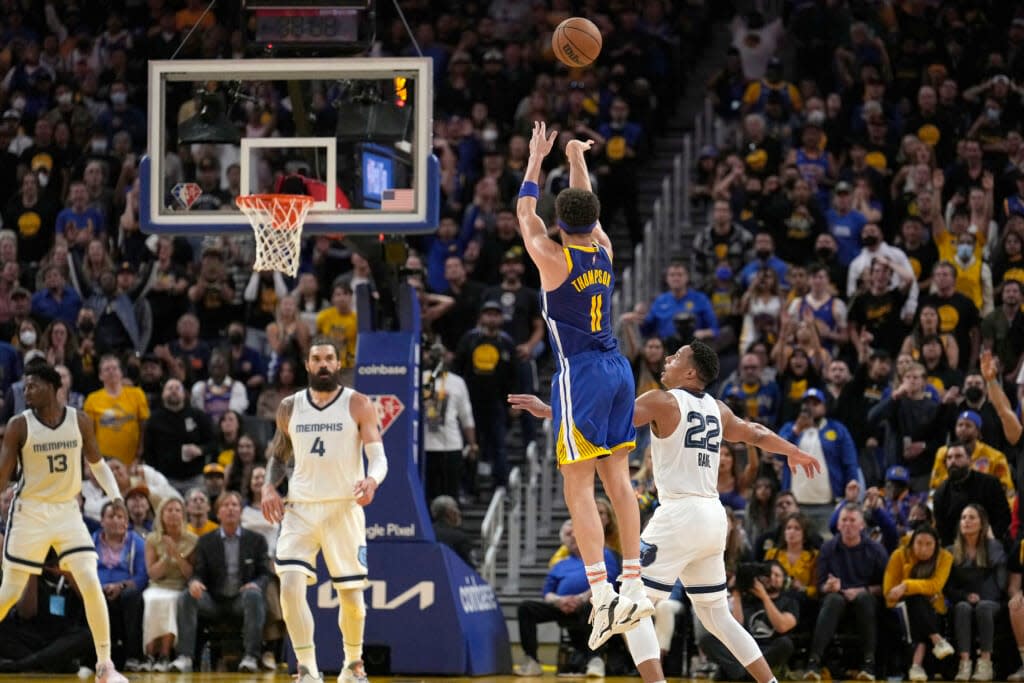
x,y
306,677
182,665
529,667
268,661
595,668
248,665
964,671
106,673
982,670
917,673
162,666
635,591
942,649
353,673
133,665
609,609
1017,675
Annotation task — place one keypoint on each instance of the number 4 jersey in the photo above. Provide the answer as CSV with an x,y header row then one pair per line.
x,y
51,460
686,461
328,450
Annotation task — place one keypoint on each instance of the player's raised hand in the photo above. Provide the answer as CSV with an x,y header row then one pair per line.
x,y
541,143
271,504
577,146
531,404
805,460
364,491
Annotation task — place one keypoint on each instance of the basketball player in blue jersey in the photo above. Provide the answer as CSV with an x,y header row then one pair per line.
x,y
48,440
324,430
685,538
592,390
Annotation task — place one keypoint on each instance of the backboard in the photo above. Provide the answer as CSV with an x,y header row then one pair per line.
x,y
355,133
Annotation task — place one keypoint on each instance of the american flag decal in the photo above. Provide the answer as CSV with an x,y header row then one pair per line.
x,y
397,200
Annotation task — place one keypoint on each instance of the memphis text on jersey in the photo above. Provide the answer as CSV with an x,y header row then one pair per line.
x,y
55,446
595,276
319,427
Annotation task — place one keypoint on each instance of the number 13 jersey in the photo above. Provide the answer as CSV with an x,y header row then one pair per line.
x,y
327,447
686,461
51,460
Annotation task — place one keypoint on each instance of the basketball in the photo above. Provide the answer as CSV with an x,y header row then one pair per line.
x,y
576,41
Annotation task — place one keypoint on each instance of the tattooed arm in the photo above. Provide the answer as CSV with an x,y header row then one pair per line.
x,y
279,456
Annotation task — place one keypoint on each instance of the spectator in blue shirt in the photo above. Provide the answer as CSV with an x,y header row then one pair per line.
x,y
122,572
850,571
58,301
80,222
761,400
660,320
567,601
10,366
764,252
845,223
830,441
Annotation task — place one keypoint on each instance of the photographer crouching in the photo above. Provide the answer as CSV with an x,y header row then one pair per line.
x,y
766,610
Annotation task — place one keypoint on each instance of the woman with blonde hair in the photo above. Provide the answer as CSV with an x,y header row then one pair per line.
x,y
913,583
976,588
170,553
288,336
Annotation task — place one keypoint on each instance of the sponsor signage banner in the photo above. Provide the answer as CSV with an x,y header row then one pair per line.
x,y
429,608
387,370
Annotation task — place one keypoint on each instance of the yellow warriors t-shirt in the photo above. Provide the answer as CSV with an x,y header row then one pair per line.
x,y
118,421
341,327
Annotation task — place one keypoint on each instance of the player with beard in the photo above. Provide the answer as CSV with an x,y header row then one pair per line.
x,y
324,430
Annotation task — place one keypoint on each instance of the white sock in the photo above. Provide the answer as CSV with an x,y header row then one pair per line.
x,y
597,577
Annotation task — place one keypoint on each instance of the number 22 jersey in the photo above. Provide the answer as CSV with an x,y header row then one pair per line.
x,y
686,461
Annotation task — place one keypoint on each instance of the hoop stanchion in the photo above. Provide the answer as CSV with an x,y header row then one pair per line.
x,y
276,220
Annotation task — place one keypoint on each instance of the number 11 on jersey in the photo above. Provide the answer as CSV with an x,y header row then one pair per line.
x,y
596,314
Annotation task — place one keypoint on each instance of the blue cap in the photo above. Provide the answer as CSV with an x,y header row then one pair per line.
x,y
971,415
814,393
897,473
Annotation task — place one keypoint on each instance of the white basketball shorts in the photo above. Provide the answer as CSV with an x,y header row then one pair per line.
x,y
685,540
337,528
33,526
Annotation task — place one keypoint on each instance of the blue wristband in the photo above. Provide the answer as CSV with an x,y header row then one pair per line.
x,y
529,189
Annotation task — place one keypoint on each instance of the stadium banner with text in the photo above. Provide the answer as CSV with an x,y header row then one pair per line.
x,y
429,610
387,370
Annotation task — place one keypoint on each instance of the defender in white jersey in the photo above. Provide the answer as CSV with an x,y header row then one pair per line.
x,y
685,538
48,440
324,430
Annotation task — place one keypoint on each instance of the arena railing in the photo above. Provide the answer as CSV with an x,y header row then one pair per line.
x,y
491,531
547,480
514,524
530,511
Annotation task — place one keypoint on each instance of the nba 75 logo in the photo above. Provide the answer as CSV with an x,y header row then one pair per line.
x,y
389,407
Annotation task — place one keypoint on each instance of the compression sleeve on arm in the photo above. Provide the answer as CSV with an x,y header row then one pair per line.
x,y
376,462
105,477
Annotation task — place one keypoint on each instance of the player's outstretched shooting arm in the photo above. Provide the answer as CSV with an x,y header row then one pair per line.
x,y
100,469
546,254
280,454
661,410
579,177
365,414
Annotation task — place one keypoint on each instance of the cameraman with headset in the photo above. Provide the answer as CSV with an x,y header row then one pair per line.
x,y
759,602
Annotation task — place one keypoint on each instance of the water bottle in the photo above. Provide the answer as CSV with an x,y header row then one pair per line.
x,y
205,659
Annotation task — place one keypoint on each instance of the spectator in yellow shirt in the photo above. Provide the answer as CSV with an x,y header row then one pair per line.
x,y
119,414
796,557
913,583
339,323
197,512
984,458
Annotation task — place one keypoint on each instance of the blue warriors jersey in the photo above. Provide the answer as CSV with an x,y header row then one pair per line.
x,y
579,312
592,390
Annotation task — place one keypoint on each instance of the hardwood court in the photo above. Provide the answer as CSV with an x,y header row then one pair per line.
x,y
282,678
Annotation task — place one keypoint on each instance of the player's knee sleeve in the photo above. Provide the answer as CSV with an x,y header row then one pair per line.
x,y
11,589
665,621
295,610
352,622
643,642
718,620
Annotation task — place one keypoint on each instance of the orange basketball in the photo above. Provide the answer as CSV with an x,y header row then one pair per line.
x,y
576,41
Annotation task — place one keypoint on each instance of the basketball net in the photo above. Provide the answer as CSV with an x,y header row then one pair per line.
x,y
276,220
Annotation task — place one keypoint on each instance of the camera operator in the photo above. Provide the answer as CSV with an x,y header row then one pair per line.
x,y
766,611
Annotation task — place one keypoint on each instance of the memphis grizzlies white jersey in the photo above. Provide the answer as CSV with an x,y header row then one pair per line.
x,y
51,460
327,447
686,461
